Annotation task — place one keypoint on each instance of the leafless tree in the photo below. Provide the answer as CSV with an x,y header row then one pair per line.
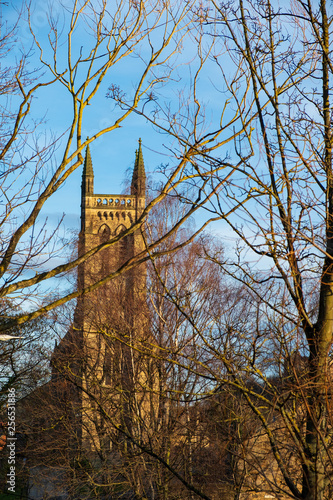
x,y
137,422
273,347
32,172
277,60
269,338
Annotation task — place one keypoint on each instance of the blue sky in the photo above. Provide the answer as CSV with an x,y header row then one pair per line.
x,y
113,154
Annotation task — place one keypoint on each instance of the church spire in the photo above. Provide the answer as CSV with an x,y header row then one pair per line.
x,y
87,174
138,186
88,168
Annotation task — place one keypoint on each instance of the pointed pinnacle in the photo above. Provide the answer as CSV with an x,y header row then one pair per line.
x,y
88,168
140,166
139,176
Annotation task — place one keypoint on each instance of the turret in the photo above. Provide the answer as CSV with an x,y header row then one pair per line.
x,y
87,185
138,186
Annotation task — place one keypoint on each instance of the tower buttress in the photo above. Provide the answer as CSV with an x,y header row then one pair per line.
x,y
87,187
87,175
138,186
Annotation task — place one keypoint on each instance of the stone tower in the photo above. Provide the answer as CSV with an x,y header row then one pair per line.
x,y
106,215
103,217
100,352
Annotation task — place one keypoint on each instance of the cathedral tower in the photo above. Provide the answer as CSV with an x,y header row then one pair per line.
x,y
111,320
104,216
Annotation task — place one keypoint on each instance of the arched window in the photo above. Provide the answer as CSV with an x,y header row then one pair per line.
x,y
104,233
120,229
